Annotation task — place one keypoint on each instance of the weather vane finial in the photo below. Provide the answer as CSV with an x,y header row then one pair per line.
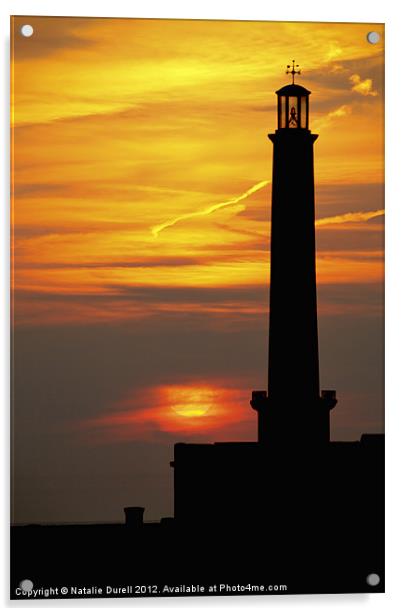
x,y
295,70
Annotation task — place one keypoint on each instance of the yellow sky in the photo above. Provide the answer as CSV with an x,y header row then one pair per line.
x,y
124,127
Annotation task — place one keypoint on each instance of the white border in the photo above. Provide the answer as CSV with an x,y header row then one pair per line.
x,y
387,11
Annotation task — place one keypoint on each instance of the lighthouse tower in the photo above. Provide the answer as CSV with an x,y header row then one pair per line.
x,y
293,411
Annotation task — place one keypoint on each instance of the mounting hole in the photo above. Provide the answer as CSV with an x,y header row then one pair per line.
x,y
373,579
373,37
26,585
26,30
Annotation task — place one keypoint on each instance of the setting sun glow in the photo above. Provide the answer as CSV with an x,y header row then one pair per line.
x,y
191,402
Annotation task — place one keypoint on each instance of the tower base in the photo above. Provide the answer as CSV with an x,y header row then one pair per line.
x,y
288,421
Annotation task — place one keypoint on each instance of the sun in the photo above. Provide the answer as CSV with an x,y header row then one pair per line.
x,y
188,410
190,402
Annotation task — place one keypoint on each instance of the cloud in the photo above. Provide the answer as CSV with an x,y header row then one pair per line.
x,y
337,68
349,217
364,87
334,51
156,262
246,294
332,116
211,209
342,111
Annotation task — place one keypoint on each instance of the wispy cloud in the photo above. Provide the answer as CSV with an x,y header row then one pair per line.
x,y
209,210
340,112
332,116
364,87
349,217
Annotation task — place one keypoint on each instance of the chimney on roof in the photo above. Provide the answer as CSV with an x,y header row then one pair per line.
x,y
134,516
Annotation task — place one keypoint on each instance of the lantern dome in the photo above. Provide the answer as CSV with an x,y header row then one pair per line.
x,y
293,89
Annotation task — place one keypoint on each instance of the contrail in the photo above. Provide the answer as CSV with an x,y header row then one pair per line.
x,y
209,210
349,217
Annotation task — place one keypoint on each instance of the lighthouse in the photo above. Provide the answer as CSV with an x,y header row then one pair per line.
x,y
294,491
293,410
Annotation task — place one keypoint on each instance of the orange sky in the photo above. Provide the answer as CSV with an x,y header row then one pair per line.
x,y
141,177
124,125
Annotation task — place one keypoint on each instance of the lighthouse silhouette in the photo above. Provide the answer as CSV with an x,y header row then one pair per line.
x,y
293,411
293,415
294,490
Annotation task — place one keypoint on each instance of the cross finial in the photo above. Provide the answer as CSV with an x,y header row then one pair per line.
x,y
295,70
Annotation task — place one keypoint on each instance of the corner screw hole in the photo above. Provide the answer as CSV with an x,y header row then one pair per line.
x,y
26,30
373,579
373,37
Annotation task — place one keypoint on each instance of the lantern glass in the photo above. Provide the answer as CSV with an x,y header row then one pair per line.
x,y
293,108
293,112
282,114
303,112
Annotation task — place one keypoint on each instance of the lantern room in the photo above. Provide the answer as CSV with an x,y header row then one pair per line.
x,y
293,107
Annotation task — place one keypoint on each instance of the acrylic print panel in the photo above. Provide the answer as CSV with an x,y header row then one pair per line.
x,y
197,272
